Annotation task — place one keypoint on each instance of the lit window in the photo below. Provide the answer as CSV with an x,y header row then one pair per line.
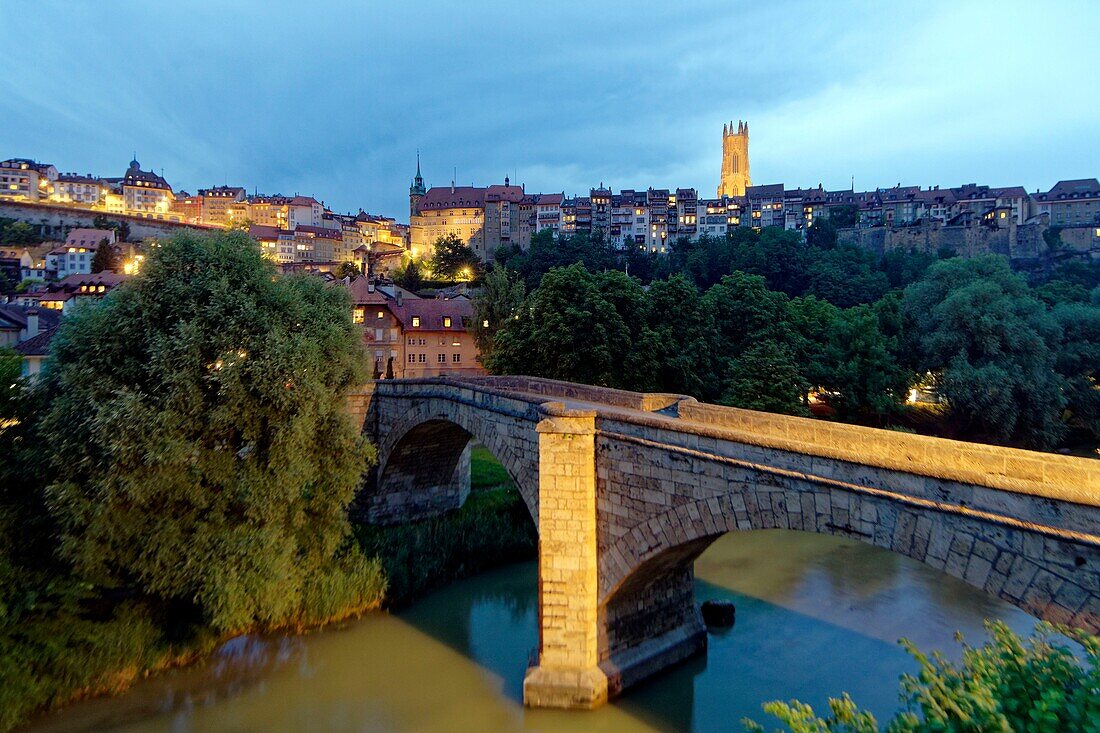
x,y
485,323
358,316
416,321
446,321
381,314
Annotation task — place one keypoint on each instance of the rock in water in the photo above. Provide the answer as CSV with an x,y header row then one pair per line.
x,y
719,613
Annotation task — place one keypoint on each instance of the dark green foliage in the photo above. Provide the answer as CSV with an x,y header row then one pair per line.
x,y
1037,685
17,232
566,329
861,375
844,216
497,303
105,258
546,253
199,414
980,329
452,259
684,329
1077,359
765,377
777,255
409,277
902,268
821,234
844,277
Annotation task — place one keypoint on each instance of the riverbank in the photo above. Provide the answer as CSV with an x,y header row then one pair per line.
x,y
80,646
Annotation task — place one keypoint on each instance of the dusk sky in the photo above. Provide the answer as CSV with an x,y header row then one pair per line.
x,y
334,99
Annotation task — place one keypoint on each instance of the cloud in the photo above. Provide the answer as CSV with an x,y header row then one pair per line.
x,y
334,99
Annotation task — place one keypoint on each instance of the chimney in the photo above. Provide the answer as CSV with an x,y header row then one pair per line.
x,y
32,323
397,296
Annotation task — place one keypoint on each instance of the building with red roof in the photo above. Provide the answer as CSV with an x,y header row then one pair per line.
x,y
407,336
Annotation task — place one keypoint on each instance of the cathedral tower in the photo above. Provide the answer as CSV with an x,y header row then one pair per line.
x,y
735,160
416,190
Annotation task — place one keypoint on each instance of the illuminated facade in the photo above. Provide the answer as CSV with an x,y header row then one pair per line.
x,y
23,179
144,193
735,177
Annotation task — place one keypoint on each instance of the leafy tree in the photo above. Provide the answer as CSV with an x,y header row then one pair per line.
x,y
454,260
821,234
844,216
1008,684
105,257
198,438
565,329
631,302
685,358
17,232
811,321
779,256
498,302
861,374
745,312
547,252
409,277
990,341
346,269
904,267
843,276
6,285
765,377
1077,359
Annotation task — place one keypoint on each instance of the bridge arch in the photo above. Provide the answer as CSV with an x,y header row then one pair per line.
x,y
646,571
424,462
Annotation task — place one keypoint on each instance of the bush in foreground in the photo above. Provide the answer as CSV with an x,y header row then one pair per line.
x,y
1037,685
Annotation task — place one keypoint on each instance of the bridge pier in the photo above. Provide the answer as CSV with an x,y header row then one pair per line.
x,y
568,674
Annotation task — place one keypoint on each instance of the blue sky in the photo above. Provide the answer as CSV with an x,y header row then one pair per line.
x,y
334,99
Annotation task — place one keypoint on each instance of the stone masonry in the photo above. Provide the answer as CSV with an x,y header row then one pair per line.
x,y
628,489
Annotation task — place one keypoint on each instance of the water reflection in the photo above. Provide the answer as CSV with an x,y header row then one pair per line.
x,y
815,616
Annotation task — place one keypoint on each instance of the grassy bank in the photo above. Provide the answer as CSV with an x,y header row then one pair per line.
x,y
63,642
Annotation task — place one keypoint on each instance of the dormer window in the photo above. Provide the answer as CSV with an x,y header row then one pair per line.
x,y
416,321
446,321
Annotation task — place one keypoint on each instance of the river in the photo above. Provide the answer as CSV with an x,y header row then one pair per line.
x,y
815,616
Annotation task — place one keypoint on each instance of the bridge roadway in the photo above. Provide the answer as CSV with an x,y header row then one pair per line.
x,y
627,489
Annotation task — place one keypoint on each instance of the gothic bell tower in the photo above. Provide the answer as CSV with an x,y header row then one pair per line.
x,y
735,160
416,190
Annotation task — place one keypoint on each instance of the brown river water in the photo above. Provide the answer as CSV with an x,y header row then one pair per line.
x,y
816,616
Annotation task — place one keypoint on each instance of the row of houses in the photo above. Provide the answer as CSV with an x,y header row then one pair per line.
x,y
490,217
146,194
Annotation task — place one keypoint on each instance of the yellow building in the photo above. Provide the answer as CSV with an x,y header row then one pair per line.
x,y
735,176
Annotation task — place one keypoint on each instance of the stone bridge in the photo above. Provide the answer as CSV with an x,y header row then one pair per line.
x,y
627,489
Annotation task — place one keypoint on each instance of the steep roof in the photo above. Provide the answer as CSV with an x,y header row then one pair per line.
x,y
38,345
1076,188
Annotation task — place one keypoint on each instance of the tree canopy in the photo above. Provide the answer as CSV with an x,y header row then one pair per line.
x,y
199,444
452,259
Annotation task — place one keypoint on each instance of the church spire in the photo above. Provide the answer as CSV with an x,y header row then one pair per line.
x,y
417,187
